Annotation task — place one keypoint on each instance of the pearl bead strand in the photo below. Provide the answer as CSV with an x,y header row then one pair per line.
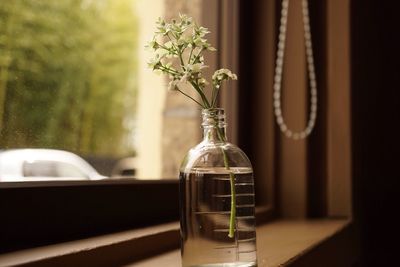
x,y
279,70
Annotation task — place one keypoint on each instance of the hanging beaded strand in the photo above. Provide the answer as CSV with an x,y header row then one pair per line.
x,y
279,70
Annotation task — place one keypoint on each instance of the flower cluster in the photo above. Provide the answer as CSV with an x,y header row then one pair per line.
x,y
178,49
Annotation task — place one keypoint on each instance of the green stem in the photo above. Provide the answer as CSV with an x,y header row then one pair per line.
x,y
169,50
179,51
214,97
189,96
201,93
232,218
168,70
172,43
233,198
198,55
181,59
190,55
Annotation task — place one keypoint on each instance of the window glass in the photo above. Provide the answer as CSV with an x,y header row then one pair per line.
x,y
74,77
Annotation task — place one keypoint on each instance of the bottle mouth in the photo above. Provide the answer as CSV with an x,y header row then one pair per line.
x,y
214,112
213,117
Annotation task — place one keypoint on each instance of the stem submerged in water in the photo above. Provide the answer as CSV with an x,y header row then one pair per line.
x,y
232,219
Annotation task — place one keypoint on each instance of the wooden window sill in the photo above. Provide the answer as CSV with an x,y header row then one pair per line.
x,y
114,249
279,243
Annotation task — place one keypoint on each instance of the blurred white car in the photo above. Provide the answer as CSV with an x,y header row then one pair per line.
x,y
44,165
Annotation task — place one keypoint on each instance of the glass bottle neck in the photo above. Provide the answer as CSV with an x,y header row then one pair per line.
x,y
214,125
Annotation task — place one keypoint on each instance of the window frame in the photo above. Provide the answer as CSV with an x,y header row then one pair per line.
x,y
268,162
227,31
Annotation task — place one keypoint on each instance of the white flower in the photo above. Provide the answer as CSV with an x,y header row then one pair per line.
x,y
172,43
168,45
173,85
160,21
201,59
153,45
196,68
200,31
184,40
154,63
185,18
223,74
157,71
200,41
203,82
162,53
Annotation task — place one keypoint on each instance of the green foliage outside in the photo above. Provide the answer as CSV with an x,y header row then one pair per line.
x,y
67,75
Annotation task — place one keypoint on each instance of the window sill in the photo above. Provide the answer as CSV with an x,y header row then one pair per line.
x,y
290,243
280,243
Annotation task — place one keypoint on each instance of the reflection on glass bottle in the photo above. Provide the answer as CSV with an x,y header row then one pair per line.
x,y
217,200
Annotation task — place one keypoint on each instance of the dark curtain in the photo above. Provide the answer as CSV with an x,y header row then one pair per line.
x,y
376,103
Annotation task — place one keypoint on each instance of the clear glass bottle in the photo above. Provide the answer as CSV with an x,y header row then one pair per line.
x,y
217,206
